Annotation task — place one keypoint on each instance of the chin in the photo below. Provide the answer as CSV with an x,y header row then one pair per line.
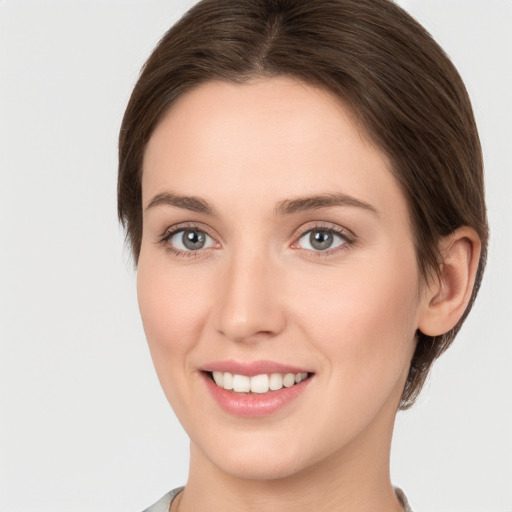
x,y
262,458
261,468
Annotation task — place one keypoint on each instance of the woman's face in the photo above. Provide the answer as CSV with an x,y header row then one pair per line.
x,y
275,241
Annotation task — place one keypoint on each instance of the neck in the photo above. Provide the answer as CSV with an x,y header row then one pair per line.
x,y
354,479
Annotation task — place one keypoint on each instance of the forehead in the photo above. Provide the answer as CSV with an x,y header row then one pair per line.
x,y
272,137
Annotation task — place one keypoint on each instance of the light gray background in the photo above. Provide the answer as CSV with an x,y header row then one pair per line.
x,y
84,425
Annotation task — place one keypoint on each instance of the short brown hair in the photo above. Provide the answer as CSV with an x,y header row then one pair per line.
x,y
405,92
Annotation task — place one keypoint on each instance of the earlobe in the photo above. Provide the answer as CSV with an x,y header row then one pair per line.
x,y
448,294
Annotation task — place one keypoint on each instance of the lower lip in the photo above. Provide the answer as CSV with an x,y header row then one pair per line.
x,y
254,405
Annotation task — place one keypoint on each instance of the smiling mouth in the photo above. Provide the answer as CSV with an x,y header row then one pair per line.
x,y
256,384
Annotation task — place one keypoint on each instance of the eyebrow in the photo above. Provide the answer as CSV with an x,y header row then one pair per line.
x,y
316,202
194,204
285,207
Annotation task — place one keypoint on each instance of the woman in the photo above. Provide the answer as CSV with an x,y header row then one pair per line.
x,y
301,184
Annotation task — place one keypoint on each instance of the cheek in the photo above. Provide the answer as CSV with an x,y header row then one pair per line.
x,y
363,319
173,304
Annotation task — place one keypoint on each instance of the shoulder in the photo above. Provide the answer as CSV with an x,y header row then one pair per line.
x,y
403,499
163,504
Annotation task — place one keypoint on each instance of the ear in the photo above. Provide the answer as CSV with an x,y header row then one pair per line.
x,y
447,295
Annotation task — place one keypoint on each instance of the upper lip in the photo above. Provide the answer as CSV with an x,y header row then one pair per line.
x,y
251,368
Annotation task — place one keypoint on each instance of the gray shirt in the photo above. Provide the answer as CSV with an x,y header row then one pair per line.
x,y
163,504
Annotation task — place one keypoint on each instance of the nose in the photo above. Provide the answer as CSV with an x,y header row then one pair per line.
x,y
250,306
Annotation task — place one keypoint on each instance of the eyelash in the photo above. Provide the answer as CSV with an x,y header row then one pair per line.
x,y
348,237
171,232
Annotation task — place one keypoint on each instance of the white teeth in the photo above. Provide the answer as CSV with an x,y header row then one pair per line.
x,y
241,383
288,380
276,381
300,377
227,381
218,377
258,383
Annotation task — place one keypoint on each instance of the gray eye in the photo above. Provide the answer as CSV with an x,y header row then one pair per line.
x,y
191,240
320,240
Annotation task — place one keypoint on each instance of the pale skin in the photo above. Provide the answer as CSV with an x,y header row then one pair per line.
x,y
252,156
